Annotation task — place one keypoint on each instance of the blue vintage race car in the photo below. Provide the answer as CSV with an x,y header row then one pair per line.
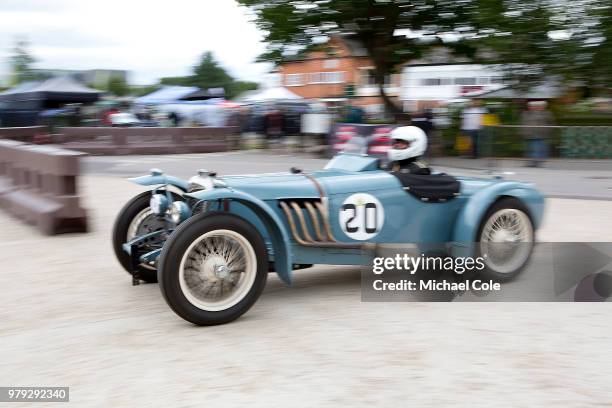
x,y
211,241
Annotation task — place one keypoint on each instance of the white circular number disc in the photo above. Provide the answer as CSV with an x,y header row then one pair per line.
x,y
361,216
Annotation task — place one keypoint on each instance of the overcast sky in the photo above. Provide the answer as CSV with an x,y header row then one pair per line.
x,y
151,39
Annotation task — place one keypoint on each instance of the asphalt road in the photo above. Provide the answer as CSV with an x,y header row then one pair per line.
x,y
70,317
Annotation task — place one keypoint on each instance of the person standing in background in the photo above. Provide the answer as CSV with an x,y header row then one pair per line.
x,y
174,118
273,126
424,121
536,137
354,114
106,121
471,124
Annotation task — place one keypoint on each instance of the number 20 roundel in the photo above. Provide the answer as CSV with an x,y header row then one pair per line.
x,y
361,216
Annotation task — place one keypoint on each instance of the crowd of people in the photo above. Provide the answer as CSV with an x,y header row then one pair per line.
x,y
273,121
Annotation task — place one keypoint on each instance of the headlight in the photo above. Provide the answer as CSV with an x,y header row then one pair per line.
x,y
179,212
158,203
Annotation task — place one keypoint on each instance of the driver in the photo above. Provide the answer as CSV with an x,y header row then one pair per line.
x,y
408,146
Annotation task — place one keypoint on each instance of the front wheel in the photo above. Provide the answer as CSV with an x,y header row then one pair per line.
x,y
505,239
213,268
135,219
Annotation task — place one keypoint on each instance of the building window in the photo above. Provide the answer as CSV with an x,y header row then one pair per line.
x,y
330,63
336,77
293,80
431,82
446,81
374,109
497,80
465,81
314,78
482,81
367,77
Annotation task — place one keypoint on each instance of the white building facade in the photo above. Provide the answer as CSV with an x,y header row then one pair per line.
x,y
434,85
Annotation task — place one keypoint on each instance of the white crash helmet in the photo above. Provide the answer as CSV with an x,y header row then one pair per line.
x,y
413,135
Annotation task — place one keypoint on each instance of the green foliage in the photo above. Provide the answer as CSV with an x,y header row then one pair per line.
x,y
291,25
117,86
209,74
597,49
514,33
143,90
375,24
21,62
586,119
236,88
543,39
180,81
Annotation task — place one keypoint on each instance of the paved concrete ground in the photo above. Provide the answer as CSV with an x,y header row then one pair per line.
x,y
70,317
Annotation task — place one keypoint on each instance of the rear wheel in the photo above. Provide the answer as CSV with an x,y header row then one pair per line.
x,y
213,268
505,239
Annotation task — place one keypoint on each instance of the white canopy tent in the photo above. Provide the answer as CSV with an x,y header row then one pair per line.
x,y
166,94
270,94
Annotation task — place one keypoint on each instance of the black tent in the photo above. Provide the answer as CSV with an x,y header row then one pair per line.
x,y
21,105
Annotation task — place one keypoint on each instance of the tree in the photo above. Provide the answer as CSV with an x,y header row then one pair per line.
x,y
238,87
517,38
21,62
591,38
143,90
602,56
537,39
180,81
208,73
117,86
375,24
514,33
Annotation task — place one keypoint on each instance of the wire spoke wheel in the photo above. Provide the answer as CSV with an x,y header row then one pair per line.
x,y
144,222
506,240
134,220
213,268
217,270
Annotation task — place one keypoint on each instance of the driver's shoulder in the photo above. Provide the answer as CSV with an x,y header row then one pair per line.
x,y
419,167
421,164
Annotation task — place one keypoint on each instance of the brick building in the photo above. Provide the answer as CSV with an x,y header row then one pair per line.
x,y
327,72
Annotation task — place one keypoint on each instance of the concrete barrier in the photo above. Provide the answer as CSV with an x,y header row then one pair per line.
x,y
147,140
38,184
29,134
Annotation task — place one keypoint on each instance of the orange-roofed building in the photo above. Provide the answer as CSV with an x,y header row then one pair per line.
x,y
328,73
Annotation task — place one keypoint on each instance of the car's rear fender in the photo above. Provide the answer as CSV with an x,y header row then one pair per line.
x,y
160,179
277,232
469,218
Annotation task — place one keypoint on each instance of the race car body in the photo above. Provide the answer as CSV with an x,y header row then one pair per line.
x,y
338,215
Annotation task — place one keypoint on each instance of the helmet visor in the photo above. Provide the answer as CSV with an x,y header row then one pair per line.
x,y
400,144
